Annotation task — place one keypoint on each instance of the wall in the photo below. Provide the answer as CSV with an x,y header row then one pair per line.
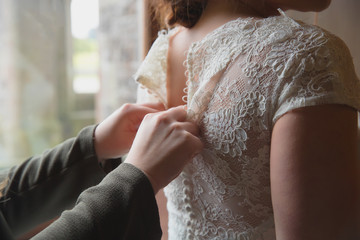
x,y
119,39
34,71
342,19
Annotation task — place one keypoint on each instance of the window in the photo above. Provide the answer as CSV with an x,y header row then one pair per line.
x,y
63,65
84,27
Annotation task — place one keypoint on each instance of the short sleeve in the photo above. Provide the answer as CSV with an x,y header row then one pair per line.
x,y
145,96
321,73
151,75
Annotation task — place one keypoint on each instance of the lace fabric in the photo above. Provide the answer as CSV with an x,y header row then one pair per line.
x,y
242,77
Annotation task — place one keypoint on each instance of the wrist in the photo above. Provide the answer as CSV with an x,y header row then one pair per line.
x,y
107,164
154,183
110,164
156,187
96,144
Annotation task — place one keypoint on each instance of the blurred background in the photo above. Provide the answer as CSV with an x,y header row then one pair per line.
x,y
65,64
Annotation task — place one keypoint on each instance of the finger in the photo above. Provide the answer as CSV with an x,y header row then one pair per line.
x,y
189,127
135,114
145,109
177,113
195,146
157,106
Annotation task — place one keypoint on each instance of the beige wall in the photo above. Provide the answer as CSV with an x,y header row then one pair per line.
x,y
342,18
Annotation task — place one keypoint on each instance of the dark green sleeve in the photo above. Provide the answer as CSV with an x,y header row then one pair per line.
x,y
122,206
44,186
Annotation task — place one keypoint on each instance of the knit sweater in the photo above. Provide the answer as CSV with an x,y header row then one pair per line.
x,y
120,205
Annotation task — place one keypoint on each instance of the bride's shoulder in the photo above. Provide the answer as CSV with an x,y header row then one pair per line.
x,y
180,40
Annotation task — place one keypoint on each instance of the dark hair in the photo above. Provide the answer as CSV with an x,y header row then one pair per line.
x,y
178,12
188,12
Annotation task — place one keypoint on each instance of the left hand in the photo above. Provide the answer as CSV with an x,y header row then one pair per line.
x,y
114,136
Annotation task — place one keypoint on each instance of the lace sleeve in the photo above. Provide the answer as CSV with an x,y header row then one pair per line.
x,y
151,74
320,71
145,96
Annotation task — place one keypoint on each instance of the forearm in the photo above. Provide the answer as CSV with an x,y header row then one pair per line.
x,y
122,206
45,185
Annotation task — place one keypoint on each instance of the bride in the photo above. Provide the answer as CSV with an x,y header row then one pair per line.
x,y
276,100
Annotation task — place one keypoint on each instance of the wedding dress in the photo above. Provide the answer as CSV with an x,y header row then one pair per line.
x,y
242,77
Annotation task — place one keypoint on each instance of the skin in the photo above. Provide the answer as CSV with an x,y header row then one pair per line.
x,y
114,136
216,14
165,143
160,142
303,5
315,176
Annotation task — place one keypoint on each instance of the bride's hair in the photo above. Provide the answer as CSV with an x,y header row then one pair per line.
x,y
188,12
178,12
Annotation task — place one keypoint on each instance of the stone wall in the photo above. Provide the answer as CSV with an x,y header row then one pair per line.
x,y
119,39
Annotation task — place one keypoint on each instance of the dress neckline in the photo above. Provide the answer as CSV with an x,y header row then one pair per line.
x,y
242,20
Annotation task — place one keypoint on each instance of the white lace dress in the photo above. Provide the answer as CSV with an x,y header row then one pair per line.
x,y
242,77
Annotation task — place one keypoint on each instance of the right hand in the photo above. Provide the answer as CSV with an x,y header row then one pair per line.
x,y
114,136
164,144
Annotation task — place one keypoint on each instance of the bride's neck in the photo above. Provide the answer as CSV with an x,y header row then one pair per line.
x,y
218,12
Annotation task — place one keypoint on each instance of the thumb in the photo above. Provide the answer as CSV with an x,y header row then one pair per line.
x,y
144,109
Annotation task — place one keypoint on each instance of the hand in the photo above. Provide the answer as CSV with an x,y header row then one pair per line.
x,y
164,144
114,136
